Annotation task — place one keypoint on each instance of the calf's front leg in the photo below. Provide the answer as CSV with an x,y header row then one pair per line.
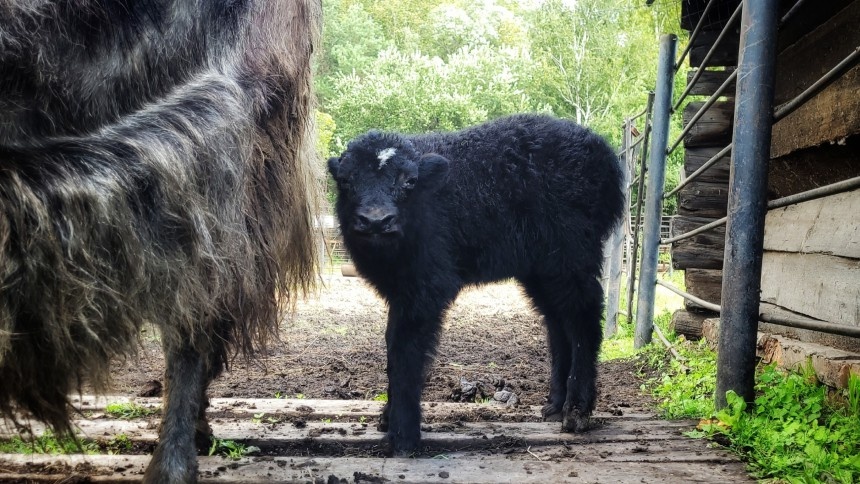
x,y
411,337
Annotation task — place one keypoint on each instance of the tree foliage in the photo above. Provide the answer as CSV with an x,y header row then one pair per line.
x,y
445,64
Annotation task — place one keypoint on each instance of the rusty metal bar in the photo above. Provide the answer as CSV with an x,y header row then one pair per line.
x,y
705,167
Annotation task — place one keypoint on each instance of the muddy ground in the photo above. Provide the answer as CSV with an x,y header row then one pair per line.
x,y
333,347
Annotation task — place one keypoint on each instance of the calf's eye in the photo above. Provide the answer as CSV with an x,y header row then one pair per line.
x,y
410,183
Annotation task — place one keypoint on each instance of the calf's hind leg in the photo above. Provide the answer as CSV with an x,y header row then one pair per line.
x,y
572,307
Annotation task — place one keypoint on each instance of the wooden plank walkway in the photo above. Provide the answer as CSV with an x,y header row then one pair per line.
x,y
332,441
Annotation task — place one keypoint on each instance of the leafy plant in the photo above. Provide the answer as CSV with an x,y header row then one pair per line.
x,y
231,449
119,444
129,410
382,397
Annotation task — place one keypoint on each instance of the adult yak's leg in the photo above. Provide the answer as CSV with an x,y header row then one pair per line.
x,y
186,379
411,338
572,305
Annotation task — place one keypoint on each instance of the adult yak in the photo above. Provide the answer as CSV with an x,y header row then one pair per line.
x,y
154,168
530,197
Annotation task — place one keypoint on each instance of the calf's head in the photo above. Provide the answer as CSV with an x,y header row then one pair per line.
x,y
380,179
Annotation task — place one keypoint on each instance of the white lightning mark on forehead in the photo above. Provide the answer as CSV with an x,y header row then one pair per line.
x,y
384,156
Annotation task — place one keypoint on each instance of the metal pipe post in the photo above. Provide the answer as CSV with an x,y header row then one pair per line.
x,y
654,194
633,255
747,201
615,244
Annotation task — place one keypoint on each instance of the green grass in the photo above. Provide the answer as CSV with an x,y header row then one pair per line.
x,y
129,410
48,443
797,431
382,397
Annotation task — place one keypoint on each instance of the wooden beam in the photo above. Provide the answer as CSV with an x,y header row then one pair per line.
x,y
688,323
703,283
726,53
702,251
695,157
710,81
704,199
714,128
814,167
825,226
835,112
821,286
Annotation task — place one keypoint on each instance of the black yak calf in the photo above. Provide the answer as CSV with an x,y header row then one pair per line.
x,y
154,168
528,196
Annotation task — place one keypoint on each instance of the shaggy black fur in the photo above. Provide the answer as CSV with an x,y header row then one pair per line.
x,y
528,196
154,168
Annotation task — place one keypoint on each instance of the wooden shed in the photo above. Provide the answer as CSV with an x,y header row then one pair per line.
x,y
811,260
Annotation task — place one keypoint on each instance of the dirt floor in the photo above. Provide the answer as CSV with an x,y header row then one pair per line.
x,y
333,348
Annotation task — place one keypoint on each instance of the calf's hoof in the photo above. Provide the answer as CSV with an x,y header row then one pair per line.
x,y
401,446
551,412
574,421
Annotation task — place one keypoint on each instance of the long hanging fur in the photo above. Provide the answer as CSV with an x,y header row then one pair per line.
x,y
156,167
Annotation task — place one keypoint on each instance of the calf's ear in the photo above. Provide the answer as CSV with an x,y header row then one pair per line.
x,y
432,171
333,165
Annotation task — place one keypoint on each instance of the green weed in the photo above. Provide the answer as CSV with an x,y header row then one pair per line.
x,y
119,444
129,410
382,397
231,449
48,443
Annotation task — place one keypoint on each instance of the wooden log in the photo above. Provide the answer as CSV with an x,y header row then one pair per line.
x,y
834,113
709,81
695,157
714,128
726,53
688,323
704,199
823,226
821,286
706,284
702,251
814,167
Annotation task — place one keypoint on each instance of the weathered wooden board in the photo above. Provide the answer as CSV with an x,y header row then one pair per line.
x,y
726,53
694,158
814,167
706,284
820,286
692,10
844,343
714,128
829,225
704,199
446,435
702,251
299,445
835,112
450,470
709,81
